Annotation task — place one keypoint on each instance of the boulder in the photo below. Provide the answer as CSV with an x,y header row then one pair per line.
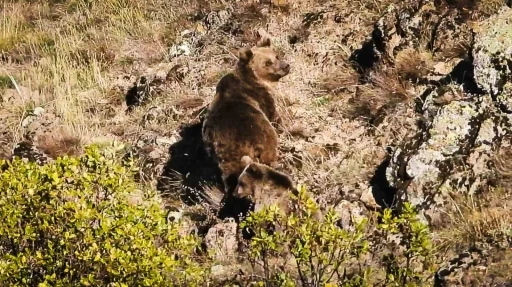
x,y
451,154
492,53
222,240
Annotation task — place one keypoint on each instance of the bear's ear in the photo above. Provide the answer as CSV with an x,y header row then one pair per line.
x,y
263,42
245,54
255,171
246,160
265,38
280,179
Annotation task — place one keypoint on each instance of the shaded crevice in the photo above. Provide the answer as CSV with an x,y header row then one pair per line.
x,y
464,75
382,191
137,94
365,58
475,125
431,42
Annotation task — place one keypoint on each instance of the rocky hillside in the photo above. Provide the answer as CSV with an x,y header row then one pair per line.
x,y
387,102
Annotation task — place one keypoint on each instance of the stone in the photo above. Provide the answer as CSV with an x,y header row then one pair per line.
x,y
451,155
350,213
492,52
222,240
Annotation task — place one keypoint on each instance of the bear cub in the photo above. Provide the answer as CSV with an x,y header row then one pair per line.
x,y
239,120
263,185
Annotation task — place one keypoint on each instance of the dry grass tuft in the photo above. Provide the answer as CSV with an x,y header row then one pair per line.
x,y
486,219
474,9
340,78
59,144
503,163
413,64
384,91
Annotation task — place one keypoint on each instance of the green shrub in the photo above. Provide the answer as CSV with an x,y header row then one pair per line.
x,y
72,223
325,255
411,260
5,82
321,250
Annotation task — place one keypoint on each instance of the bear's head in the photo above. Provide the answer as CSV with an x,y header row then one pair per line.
x,y
263,185
262,62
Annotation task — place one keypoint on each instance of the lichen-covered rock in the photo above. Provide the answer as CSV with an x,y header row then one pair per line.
x,y
460,128
451,156
349,213
452,273
492,53
27,151
504,99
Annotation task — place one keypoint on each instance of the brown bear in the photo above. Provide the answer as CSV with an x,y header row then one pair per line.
x,y
263,185
239,120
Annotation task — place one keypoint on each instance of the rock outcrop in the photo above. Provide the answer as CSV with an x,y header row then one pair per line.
x,y
450,155
492,53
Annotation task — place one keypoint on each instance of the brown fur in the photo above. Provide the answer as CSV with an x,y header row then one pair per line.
x,y
239,120
265,186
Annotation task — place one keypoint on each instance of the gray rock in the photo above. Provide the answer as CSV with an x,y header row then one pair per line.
x,y
402,27
493,53
460,129
148,85
222,240
451,156
350,213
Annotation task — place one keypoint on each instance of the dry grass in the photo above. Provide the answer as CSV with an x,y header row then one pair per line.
x,y
486,219
67,49
504,166
474,9
413,64
342,78
384,91
59,144
77,59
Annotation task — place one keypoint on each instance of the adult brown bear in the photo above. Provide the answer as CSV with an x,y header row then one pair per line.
x,y
239,120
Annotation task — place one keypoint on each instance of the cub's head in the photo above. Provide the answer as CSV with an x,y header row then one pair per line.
x,y
263,62
263,184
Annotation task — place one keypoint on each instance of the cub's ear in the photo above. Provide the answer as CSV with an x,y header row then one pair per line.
x,y
245,54
246,160
281,179
265,38
263,42
255,170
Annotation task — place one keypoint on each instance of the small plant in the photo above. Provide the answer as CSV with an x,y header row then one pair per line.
x,y
71,223
320,250
410,261
5,82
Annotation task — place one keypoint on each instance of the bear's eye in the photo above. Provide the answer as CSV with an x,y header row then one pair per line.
x,y
268,63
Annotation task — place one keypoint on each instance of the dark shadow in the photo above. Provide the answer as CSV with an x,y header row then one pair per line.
x,y
133,97
367,56
463,74
27,150
383,192
189,167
